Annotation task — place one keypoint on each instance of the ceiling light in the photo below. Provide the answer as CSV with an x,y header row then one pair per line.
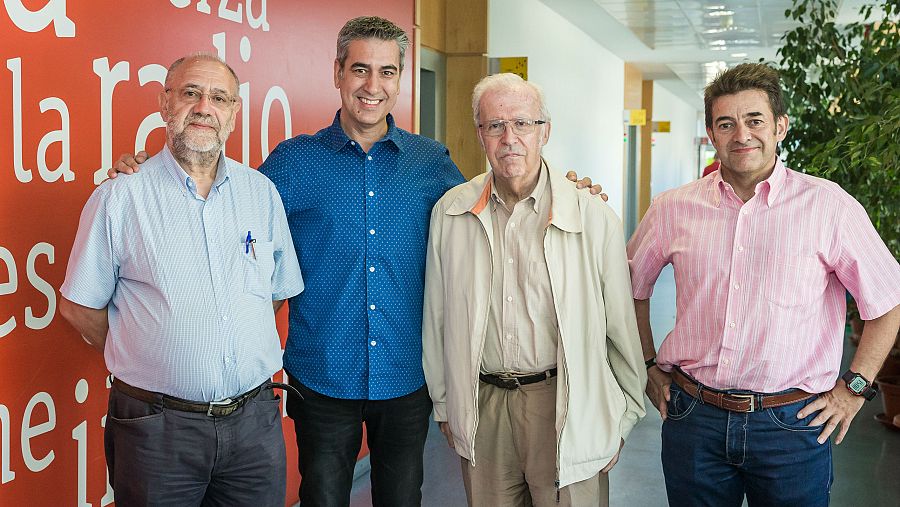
x,y
716,14
738,55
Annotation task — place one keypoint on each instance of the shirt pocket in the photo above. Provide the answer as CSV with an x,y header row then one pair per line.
x,y
793,280
259,265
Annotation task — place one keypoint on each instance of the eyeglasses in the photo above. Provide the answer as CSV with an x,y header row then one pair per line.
x,y
218,100
520,126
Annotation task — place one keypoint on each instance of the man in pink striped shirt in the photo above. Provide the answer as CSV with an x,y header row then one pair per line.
x,y
748,381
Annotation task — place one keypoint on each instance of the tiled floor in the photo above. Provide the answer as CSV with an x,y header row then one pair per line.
x,y
866,465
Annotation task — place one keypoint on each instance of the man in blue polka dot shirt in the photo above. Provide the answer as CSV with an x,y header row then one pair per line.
x,y
354,346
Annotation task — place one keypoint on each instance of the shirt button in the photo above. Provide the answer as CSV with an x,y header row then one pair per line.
x,y
373,343
352,143
737,286
745,212
372,307
509,260
372,231
509,298
731,325
225,318
725,361
227,360
371,269
740,249
509,337
371,194
512,224
369,157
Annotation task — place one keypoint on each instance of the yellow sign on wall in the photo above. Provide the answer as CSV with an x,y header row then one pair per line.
x,y
662,126
637,117
516,65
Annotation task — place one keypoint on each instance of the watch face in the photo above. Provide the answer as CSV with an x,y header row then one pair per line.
x,y
857,385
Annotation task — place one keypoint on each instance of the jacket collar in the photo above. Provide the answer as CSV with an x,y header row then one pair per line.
x,y
564,207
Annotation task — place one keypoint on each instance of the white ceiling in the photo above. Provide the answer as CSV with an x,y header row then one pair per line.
x,y
682,44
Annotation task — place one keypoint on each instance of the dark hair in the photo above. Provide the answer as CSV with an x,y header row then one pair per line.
x,y
746,76
370,27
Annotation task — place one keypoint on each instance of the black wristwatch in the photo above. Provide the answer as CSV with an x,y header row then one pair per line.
x,y
650,363
858,385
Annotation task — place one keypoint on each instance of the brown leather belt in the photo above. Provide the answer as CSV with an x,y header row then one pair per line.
x,y
513,382
212,409
735,402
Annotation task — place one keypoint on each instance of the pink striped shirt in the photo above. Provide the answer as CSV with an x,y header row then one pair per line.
x,y
760,286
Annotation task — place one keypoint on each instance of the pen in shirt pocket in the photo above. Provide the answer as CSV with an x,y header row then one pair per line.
x,y
248,245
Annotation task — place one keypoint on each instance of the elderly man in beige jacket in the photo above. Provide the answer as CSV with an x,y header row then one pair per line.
x,y
530,344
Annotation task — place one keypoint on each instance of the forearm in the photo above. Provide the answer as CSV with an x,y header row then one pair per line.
x,y
92,323
877,339
642,312
276,305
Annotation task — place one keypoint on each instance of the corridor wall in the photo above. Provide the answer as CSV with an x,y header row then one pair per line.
x,y
583,83
674,161
79,86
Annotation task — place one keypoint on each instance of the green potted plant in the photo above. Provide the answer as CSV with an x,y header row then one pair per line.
x,y
844,105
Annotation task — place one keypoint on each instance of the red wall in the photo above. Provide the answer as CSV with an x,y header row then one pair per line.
x,y
58,57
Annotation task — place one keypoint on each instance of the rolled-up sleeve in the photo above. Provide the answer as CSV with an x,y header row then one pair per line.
x,y
93,268
645,260
864,265
287,280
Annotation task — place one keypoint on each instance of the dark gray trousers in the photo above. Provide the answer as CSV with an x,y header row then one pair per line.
x,y
159,456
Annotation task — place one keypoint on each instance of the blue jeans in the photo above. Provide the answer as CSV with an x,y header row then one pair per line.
x,y
329,435
713,457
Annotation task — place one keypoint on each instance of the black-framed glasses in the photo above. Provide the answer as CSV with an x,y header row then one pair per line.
x,y
191,95
520,126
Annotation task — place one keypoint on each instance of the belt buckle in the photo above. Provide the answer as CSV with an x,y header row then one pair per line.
x,y
750,398
511,383
214,404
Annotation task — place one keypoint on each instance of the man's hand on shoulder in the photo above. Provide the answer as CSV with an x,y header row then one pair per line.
x,y
838,408
586,183
658,383
128,164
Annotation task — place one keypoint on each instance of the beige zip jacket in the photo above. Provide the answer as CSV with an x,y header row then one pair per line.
x,y
601,372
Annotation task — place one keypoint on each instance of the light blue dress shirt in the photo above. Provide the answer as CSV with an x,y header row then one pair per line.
x,y
190,305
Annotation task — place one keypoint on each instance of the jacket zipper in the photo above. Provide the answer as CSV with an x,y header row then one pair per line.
x,y
483,337
562,355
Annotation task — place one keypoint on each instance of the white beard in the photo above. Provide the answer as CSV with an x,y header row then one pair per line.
x,y
196,148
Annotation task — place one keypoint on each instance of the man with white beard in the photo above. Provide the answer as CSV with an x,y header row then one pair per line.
x,y
174,275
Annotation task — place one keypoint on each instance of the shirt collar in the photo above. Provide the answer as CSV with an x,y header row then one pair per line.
x,y
775,182
336,138
185,182
533,198
770,186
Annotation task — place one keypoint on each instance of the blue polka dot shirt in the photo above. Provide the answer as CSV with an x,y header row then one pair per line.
x,y
359,222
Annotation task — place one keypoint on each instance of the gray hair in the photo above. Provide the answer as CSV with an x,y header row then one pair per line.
x,y
506,81
206,57
370,27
